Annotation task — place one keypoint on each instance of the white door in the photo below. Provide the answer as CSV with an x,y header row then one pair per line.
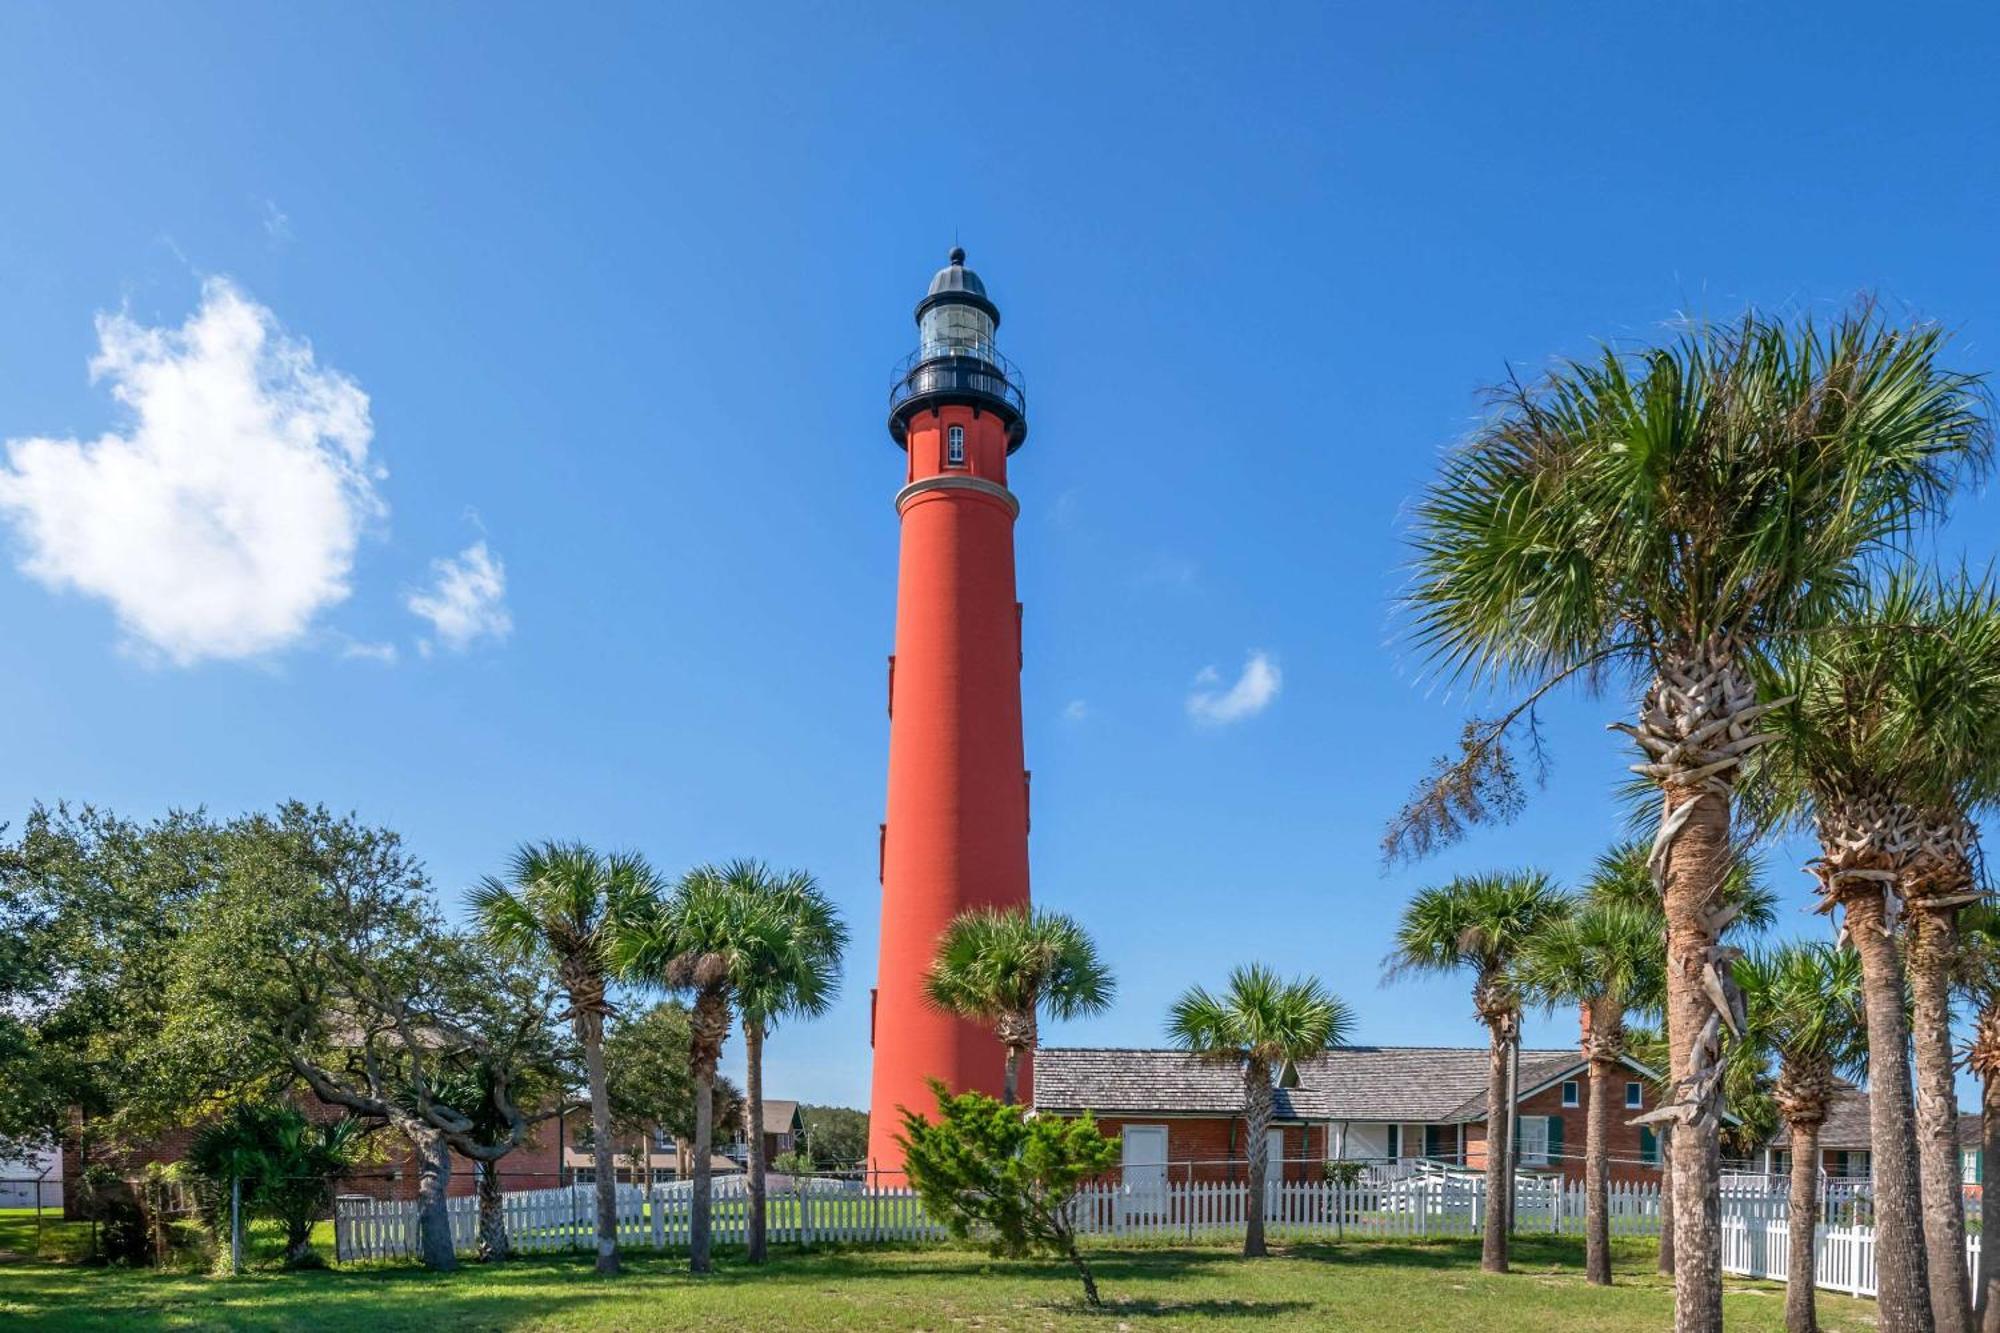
x,y
1145,1161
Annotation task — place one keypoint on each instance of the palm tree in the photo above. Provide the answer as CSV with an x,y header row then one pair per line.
x,y
1887,748
798,978
1978,979
702,942
1264,1025
1007,966
564,906
1624,876
1658,521
1480,924
1606,958
1804,1008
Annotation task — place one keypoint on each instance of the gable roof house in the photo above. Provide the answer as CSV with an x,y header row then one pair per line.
x,y
1844,1143
1181,1117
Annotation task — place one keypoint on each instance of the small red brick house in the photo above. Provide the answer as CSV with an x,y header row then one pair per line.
x,y
1844,1143
1181,1118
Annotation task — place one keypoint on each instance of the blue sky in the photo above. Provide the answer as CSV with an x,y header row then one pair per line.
x,y
600,312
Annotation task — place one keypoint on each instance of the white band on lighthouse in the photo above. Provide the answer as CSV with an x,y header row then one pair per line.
x,y
978,484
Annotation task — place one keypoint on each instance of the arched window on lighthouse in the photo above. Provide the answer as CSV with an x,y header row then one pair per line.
x,y
954,448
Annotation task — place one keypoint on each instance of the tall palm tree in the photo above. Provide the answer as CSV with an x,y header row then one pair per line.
x,y
1951,672
1007,966
1886,749
563,906
702,942
798,978
1978,979
1480,924
1264,1025
1657,521
1607,959
1624,876
1803,1006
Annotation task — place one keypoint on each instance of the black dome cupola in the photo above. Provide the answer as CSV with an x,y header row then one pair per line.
x,y
956,361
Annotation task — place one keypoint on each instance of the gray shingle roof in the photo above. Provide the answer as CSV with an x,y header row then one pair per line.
x,y
1846,1127
1434,1084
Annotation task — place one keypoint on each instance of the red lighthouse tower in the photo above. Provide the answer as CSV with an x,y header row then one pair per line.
x,y
957,830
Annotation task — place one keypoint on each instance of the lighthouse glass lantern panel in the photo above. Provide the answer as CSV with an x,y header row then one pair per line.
x,y
954,325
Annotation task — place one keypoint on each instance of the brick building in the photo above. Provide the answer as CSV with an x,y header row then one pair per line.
x,y
1180,1117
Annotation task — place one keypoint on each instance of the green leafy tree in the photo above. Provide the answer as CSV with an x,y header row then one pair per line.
x,y
319,957
287,1165
1887,749
797,978
1480,924
1007,966
984,1166
90,908
701,942
836,1137
1608,960
561,907
1658,521
651,1079
1264,1025
1803,1006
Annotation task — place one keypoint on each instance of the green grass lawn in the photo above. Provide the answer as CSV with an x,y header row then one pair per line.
x,y
1433,1285
60,1240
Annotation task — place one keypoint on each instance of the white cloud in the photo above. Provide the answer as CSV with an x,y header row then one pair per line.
x,y
277,226
467,599
225,517
356,650
1250,695
1077,710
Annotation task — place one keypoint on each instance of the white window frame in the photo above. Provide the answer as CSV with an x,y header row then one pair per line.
x,y
1635,1094
954,446
1572,1093
1541,1156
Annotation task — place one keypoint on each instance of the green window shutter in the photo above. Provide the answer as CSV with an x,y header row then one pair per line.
x,y
1555,1140
1395,1144
1649,1147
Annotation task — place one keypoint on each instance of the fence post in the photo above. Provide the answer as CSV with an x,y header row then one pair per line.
x,y
236,1225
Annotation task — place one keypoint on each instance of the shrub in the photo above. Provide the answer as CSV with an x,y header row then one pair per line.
x,y
989,1167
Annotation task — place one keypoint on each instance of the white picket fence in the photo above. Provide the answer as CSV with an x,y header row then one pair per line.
x,y
1756,1242
808,1211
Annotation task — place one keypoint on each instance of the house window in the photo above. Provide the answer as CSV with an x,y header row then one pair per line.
x,y
1395,1142
583,1175
954,449
1572,1093
1635,1096
1968,1166
1649,1147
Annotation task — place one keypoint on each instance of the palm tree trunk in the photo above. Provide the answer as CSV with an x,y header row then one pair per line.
x,y
709,1022
1493,1247
699,1172
1696,861
1596,1184
1903,1293
1257,1086
590,1026
1932,945
493,1246
1989,1206
1665,1137
753,1110
1802,1224
1010,1084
